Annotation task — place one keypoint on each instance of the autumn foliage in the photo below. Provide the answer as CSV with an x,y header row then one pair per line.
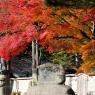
x,y
58,28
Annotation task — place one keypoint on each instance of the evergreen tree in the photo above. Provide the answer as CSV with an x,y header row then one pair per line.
x,y
71,3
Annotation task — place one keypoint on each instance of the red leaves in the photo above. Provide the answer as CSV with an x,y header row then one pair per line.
x,y
50,49
43,42
11,46
43,35
86,18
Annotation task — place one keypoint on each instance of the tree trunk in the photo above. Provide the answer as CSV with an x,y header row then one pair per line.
x,y
35,59
33,55
4,78
93,27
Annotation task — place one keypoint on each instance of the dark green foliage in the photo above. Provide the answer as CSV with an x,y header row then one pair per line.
x,y
71,3
54,2
2,34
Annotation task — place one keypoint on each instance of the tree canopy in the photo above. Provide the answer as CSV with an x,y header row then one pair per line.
x,y
59,28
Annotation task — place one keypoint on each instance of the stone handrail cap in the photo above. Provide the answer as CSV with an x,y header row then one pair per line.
x,y
2,77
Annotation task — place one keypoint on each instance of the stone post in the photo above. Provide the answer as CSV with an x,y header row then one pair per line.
x,y
82,84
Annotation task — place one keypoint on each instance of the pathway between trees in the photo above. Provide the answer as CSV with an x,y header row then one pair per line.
x,y
50,89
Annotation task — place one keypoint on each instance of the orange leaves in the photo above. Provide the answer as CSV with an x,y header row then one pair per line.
x,y
50,35
86,68
83,14
89,45
56,45
73,21
88,51
47,12
90,15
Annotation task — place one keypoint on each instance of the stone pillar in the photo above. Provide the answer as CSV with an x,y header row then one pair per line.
x,y
82,84
2,84
4,78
